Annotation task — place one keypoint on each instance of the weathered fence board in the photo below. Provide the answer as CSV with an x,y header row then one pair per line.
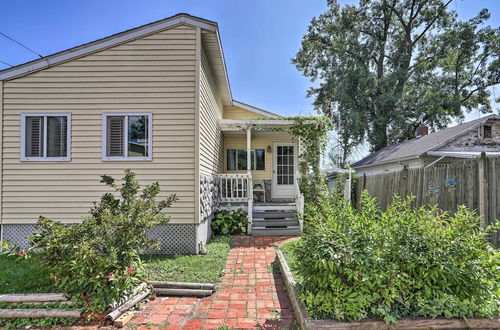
x,y
473,183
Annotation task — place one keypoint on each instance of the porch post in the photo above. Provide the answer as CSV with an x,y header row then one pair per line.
x,y
250,183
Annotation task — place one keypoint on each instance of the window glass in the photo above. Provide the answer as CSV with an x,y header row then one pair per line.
x,y
487,131
231,159
237,159
242,160
34,136
57,143
261,159
114,136
137,136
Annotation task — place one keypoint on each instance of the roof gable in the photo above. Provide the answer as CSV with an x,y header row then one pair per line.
x,y
210,39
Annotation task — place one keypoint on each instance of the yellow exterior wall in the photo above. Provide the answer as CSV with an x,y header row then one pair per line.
x,y
153,74
211,143
240,142
232,112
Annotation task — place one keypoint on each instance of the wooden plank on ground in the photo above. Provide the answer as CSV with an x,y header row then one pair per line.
x,y
32,297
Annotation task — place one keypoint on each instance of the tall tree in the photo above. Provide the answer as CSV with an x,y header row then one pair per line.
x,y
385,66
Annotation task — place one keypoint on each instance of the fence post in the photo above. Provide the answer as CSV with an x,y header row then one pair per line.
x,y
483,186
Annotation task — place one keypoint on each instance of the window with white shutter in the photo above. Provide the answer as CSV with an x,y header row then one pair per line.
x,y
127,136
45,136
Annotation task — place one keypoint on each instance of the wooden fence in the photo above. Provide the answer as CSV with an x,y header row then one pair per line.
x,y
474,183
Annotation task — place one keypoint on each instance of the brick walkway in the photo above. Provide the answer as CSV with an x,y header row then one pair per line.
x,y
251,295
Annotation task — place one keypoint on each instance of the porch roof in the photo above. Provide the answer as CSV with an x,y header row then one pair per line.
x,y
234,125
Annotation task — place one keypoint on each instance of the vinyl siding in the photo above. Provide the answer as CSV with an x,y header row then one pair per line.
x,y
233,112
211,142
153,74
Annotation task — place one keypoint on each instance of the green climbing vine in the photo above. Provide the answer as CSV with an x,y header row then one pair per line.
x,y
312,133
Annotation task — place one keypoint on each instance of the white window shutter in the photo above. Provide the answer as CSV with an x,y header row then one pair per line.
x,y
34,136
115,136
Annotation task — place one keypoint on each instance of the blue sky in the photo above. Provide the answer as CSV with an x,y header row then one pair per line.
x,y
259,37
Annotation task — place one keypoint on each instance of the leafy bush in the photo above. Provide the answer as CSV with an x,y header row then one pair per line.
x,y
402,262
99,258
230,222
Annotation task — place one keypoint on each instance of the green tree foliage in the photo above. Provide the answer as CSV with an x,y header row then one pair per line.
x,y
385,66
402,262
99,258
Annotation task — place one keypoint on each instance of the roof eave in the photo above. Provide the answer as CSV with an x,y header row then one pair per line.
x,y
387,162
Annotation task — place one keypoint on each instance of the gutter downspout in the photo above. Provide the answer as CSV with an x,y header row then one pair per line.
x,y
434,162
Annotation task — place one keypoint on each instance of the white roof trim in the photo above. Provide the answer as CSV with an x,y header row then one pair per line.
x,y
106,42
224,65
241,124
397,161
255,109
463,154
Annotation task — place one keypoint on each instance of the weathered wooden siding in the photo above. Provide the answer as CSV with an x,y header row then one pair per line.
x,y
153,74
448,186
211,142
472,142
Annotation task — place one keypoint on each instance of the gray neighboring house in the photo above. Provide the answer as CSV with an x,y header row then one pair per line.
x,y
467,140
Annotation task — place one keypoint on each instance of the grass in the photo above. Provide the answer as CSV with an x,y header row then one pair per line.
x,y
287,250
19,275
190,268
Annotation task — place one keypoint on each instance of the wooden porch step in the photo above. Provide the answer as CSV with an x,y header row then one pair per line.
x,y
287,231
275,214
278,207
261,222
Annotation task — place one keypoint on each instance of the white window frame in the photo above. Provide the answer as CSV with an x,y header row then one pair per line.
x,y
254,159
104,145
45,158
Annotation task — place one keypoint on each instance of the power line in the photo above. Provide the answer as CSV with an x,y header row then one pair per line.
x,y
5,63
20,44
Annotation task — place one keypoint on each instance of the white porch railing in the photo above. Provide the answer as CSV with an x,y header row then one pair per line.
x,y
299,202
235,187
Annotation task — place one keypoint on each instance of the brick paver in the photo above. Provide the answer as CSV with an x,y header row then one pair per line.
x,y
251,295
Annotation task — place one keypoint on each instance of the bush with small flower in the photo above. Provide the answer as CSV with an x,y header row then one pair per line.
x,y
99,258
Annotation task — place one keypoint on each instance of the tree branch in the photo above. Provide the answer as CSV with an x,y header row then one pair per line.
x,y
429,25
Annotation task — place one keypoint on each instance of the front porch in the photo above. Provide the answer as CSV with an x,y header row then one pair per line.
x,y
261,175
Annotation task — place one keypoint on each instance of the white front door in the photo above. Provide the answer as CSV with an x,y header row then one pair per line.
x,y
284,168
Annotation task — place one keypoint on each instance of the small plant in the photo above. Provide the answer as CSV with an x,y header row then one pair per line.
x,y
230,222
99,258
402,262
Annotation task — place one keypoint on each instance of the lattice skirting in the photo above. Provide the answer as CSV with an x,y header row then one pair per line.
x,y
18,233
173,238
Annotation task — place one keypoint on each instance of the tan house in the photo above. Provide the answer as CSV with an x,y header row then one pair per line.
x,y
155,99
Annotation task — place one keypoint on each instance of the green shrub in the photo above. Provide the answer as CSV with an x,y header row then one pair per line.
x,y
402,262
230,222
99,258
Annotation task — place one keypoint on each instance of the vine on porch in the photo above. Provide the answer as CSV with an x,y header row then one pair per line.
x,y
312,133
